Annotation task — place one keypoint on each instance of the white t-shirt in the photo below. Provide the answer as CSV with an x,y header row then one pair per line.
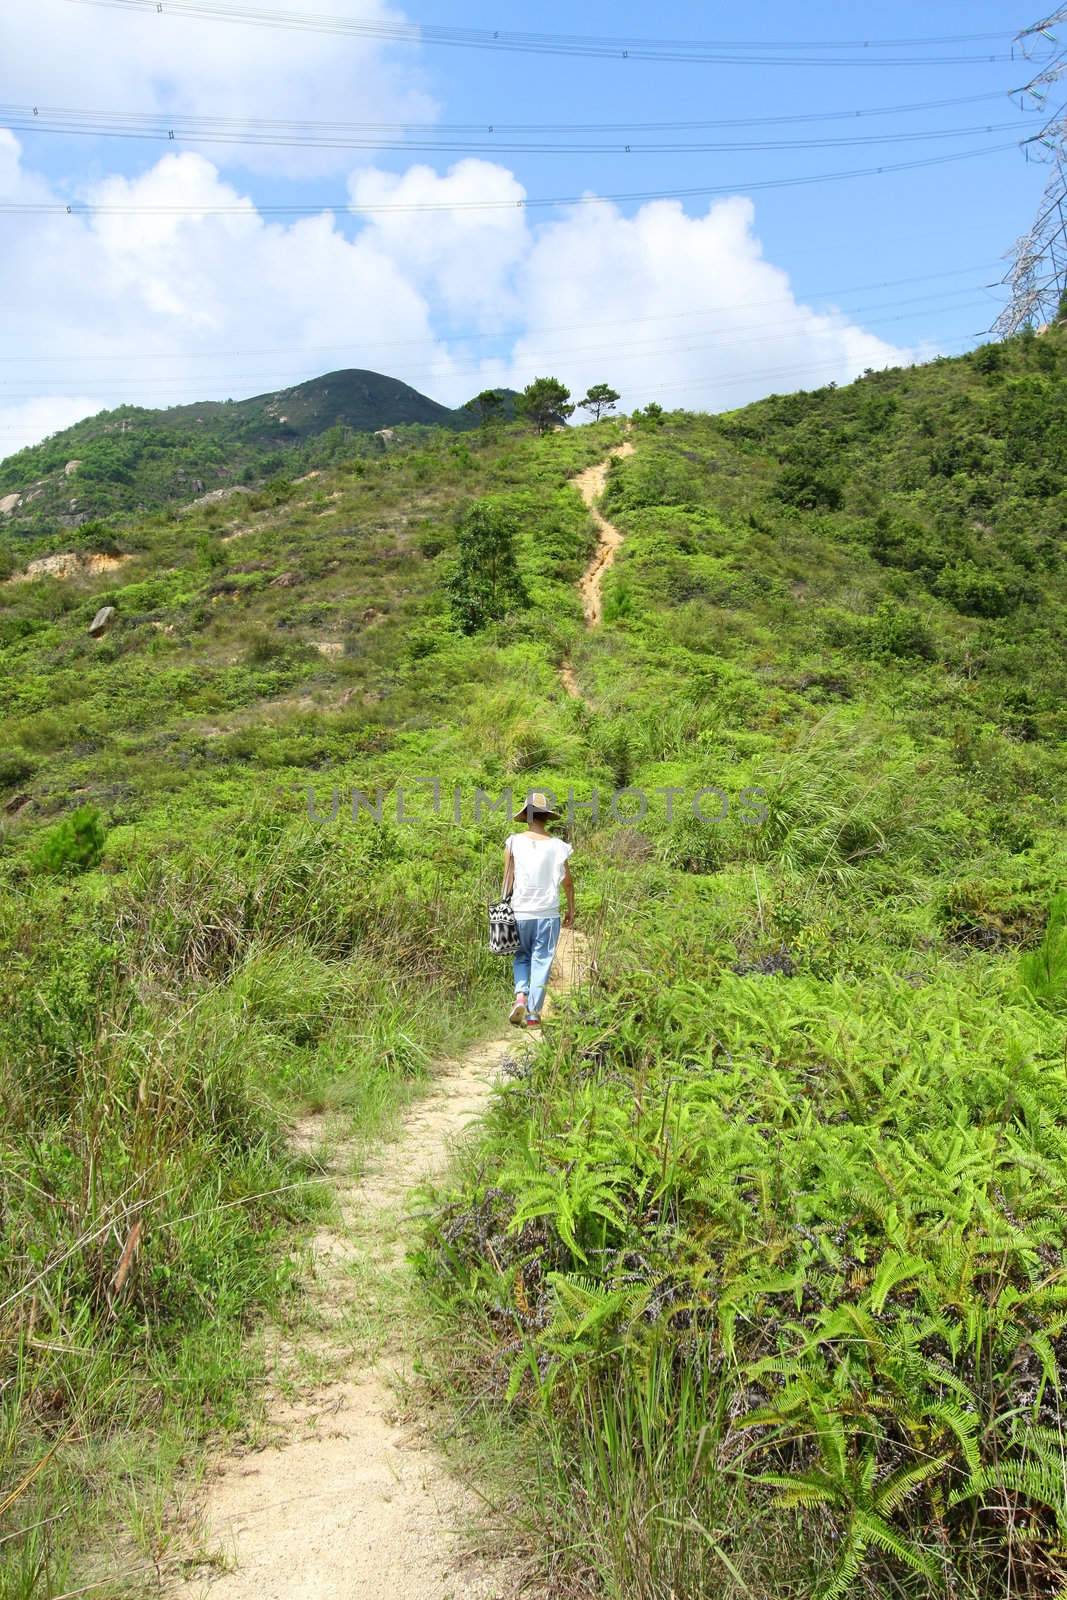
x,y
539,864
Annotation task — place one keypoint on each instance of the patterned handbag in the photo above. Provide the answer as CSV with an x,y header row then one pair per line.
x,y
503,928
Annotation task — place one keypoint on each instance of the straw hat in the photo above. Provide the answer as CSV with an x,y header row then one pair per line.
x,y
536,803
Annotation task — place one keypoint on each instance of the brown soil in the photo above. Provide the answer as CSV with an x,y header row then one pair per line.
x,y
590,485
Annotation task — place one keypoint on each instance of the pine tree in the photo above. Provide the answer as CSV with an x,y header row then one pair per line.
x,y
547,403
488,405
599,399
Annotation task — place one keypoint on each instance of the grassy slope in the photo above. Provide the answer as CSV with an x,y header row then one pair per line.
x,y
767,625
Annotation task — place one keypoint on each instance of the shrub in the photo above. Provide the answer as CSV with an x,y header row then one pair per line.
x,y
694,846
896,631
486,583
618,602
981,591
988,358
655,477
99,537
273,493
1043,971
15,767
210,552
264,648
614,745
74,845
808,489
432,542
987,913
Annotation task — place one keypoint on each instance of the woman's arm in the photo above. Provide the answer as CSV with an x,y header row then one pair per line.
x,y
509,871
568,890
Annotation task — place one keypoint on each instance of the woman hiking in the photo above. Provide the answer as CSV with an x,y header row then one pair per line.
x,y
535,865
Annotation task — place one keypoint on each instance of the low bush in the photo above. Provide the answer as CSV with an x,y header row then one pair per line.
x,y
787,1245
73,845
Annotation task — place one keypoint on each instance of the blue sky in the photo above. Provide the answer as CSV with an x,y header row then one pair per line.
x,y
708,301
959,215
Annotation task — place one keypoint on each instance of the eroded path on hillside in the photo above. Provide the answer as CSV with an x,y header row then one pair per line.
x,y
590,485
349,1500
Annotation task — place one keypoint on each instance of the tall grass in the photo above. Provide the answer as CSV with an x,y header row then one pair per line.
x,y
155,1044
774,1269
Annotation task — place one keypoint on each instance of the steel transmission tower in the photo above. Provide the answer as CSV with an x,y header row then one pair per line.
x,y
1037,277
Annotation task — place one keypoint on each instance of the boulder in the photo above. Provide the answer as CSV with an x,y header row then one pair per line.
x,y
71,467
102,621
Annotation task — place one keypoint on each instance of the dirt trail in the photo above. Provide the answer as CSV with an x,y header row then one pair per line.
x,y
590,485
349,1500
569,680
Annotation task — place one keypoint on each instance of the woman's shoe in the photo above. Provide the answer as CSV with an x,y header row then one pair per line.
x,y
533,1022
517,1014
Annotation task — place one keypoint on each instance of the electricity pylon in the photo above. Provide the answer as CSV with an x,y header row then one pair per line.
x,y
1037,276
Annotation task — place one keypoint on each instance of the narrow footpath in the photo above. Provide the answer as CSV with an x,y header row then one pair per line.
x,y
349,1500
590,485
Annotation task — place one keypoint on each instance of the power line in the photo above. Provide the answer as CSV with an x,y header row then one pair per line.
x,y
491,125
657,342
705,383
720,52
711,381
187,131
619,354
741,379
481,334
250,209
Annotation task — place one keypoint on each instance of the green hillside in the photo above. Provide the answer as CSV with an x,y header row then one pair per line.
x,y
755,1283
134,458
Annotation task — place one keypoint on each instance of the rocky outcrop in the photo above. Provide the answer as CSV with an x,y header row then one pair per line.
x,y
216,495
68,564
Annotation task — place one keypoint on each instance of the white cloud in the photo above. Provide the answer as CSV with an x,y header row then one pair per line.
x,y
661,304
465,256
677,308
28,421
162,309
132,61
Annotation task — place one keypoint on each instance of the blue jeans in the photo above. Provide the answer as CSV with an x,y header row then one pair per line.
x,y
538,937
